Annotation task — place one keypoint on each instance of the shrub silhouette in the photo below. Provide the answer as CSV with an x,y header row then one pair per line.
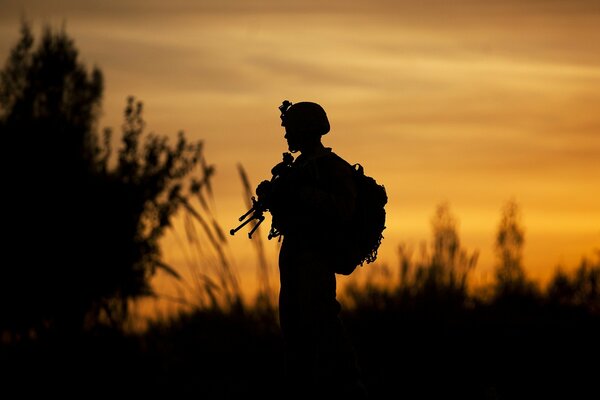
x,y
580,289
437,278
511,280
421,333
84,224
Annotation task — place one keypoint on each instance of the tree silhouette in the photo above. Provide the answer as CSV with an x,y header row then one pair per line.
x,y
580,288
83,226
445,270
510,239
437,279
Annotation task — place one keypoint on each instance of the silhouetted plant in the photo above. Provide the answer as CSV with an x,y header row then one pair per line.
x,y
84,235
580,288
439,276
511,280
447,268
266,294
214,276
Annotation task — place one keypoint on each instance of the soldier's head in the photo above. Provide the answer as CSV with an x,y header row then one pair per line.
x,y
304,123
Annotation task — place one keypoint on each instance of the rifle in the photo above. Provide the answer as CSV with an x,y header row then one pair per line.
x,y
260,205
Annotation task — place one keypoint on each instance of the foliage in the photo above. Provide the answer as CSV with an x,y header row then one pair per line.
x,y
437,278
511,279
579,289
83,225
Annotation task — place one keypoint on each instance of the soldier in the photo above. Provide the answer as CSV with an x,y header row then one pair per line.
x,y
311,206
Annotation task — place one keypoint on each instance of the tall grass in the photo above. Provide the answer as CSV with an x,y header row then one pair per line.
x,y
213,283
266,292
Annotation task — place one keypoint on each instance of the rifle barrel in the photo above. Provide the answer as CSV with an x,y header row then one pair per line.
x,y
233,231
260,218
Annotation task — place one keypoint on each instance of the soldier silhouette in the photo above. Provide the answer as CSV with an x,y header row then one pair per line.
x,y
310,207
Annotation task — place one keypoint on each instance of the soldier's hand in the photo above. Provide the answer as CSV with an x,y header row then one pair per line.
x,y
264,189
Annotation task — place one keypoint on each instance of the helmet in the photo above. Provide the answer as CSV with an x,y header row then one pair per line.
x,y
306,115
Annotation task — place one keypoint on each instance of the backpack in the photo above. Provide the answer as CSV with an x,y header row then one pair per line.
x,y
363,238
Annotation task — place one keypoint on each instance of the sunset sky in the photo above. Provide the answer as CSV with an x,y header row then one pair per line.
x,y
471,103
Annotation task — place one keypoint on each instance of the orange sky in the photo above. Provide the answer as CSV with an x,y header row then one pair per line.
x,y
467,102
